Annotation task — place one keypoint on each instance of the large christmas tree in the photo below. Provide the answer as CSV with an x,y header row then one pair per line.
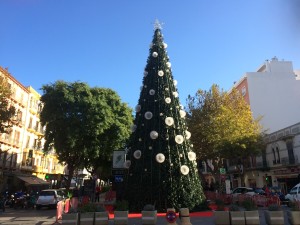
x,y
162,168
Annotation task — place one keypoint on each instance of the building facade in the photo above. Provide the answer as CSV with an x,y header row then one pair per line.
x,y
273,93
22,153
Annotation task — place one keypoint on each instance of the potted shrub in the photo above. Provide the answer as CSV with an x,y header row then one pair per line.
x,y
251,212
274,215
101,216
294,213
237,216
70,218
221,217
121,212
149,215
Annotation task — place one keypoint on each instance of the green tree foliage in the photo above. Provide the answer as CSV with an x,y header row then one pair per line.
x,y
7,111
161,163
222,125
79,122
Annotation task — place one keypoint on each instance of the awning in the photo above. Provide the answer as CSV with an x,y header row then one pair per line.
x,y
32,180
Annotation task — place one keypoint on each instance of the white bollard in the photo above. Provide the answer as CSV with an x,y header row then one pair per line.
x,y
185,216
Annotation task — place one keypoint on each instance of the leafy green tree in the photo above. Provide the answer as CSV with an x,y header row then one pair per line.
x,y
223,126
7,111
161,163
79,122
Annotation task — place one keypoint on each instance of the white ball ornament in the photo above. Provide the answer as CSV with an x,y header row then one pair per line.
x,y
169,121
152,92
192,156
179,139
184,170
148,115
182,113
145,73
175,93
165,45
153,134
137,154
160,158
168,100
168,64
127,164
175,82
138,108
160,73
154,54
187,134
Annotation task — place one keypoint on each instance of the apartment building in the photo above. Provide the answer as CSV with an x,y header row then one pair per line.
x,y
22,160
273,93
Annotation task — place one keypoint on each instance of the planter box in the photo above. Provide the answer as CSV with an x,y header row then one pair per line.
x,y
237,218
87,218
274,217
222,217
70,219
121,217
294,217
101,218
252,217
149,217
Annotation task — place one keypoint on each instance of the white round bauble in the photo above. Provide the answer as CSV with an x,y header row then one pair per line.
x,y
138,108
166,89
148,115
175,82
187,134
184,170
127,164
137,154
154,54
152,92
145,86
165,45
180,155
181,106
192,156
179,139
145,73
168,64
160,158
182,113
169,121
140,139
133,128
168,100
150,147
175,93
160,73
153,134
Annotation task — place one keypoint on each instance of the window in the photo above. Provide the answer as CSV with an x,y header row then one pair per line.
x,y
244,90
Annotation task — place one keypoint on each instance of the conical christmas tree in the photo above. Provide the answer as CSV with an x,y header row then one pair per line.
x,y
162,168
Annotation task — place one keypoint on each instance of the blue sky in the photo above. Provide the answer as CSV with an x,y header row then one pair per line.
x,y
106,43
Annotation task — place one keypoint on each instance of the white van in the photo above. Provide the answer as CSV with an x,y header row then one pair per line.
x,y
294,193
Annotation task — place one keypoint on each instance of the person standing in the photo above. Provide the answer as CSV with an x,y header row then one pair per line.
x,y
97,192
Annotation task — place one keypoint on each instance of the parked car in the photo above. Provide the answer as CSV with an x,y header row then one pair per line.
x,y
49,198
294,194
259,191
243,190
